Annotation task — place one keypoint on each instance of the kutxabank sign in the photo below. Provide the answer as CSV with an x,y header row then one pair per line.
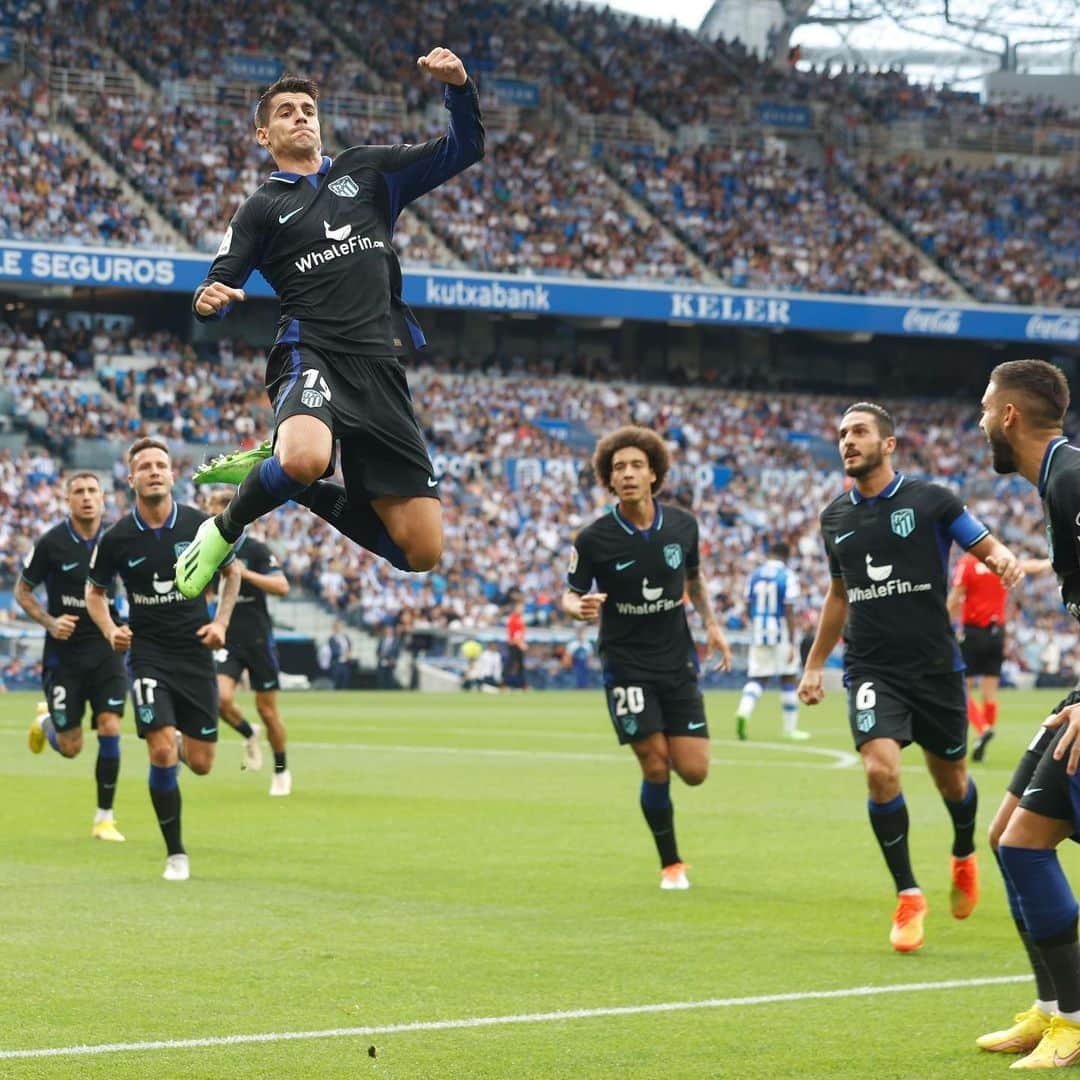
x,y
107,267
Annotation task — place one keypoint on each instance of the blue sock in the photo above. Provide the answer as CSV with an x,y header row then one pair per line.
x,y
262,490
1044,981
656,796
1011,893
107,769
50,733
890,823
1047,903
660,817
165,795
963,819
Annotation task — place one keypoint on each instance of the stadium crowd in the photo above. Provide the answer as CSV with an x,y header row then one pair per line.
x,y
48,190
763,220
1008,235
538,204
740,455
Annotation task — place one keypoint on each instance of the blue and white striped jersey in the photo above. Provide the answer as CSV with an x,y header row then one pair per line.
x,y
769,589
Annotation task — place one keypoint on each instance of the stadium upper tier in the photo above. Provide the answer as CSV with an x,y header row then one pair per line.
x,y
555,194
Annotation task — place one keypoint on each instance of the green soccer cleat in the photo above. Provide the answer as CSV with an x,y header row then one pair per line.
x,y
199,561
232,468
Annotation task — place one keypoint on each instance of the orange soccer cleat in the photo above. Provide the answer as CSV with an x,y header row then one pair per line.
x,y
907,925
964,894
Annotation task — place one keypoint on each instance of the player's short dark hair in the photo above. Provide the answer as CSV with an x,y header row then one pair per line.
x,y
780,550
83,474
644,439
885,423
146,443
1043,384
287,84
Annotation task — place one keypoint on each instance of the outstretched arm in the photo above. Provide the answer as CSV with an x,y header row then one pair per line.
x,y
715,638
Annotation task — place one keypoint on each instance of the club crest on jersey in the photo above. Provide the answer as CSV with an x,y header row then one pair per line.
x,y
865,719
146,714
903,521
181,547
673,556
312,399
345,187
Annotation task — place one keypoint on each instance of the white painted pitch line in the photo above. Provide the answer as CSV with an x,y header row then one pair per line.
x,y
840,758
495,1021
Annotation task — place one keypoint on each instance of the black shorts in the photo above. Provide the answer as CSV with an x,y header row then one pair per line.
x,y
930,710
69,689
1040,783
182,694
983,649
255,653
639,708
366,403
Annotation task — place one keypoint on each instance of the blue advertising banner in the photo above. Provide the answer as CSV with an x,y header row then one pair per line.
x,y
56,264
7,45
771,114
253,68
515,92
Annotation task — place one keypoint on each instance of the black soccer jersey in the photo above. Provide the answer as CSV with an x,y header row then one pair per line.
x,y
892,552
1059,488
60,560
643,629
325,247
163,621
251,611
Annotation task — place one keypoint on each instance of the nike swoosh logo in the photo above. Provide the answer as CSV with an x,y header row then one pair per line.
x,y
68,566
624,565
207,730
267,685
282,218
840,539
432,482
955,749
1031,790
135,562
694,727
113,701
892,843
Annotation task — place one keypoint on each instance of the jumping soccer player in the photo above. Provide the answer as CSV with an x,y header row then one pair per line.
x,y
171,638
771,592
320,230
887,541
643,557
250,647
77,666
1023,414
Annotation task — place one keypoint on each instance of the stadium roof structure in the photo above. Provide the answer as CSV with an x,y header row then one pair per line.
x,y
946,40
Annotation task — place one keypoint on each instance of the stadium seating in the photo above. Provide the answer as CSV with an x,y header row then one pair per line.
x,y
741,455
540,203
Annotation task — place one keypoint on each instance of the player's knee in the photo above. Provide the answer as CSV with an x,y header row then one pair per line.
x,y
304,464
953,786
423,553
200,766
70,748
694,775
267,711
882,777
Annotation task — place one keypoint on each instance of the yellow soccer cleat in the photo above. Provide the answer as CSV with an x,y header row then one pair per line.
x,y
35,737
964,894
907,924
1059,1047
1022,1037
107,830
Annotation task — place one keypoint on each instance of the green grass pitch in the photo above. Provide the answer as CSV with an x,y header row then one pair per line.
x,y
451,858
